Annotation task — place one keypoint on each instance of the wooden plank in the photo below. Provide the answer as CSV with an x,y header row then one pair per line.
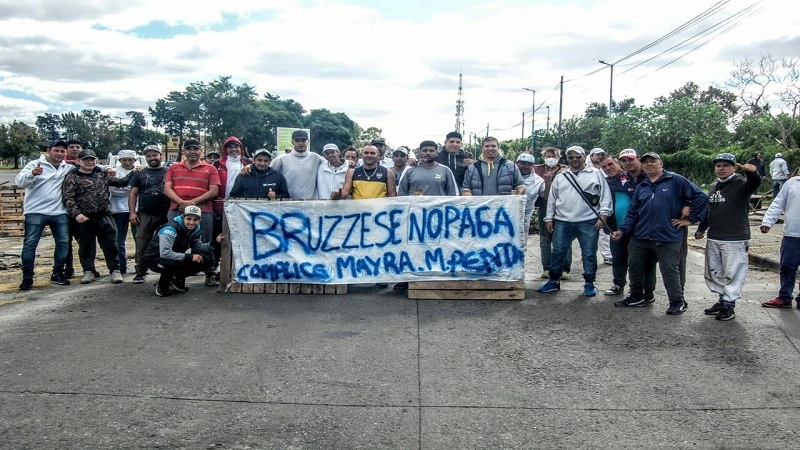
x,y
305,288
330,288
341,289
317,288
226,256
235,287
258,288
247,288
270,288
464,285
294,288
281,288
464,294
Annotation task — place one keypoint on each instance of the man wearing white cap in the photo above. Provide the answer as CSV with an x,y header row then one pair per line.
x,y
534,187
597,155
126,159
332,173
779,172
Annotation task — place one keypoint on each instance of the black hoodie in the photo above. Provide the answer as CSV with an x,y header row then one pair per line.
x,y
258,183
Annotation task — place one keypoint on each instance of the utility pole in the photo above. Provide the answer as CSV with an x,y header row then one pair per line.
x,y
533,114
560,109
548,119
487,129
523,125
460,107
610,88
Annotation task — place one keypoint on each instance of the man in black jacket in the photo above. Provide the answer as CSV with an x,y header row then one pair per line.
x,y
167,255
262,181
454,157
728,232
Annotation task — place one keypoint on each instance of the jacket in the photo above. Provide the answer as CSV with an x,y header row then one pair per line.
x,y
172,240
656,203
87,193
455,163
505,171
43,193
788,203
566,204
222,167
622,184
258,183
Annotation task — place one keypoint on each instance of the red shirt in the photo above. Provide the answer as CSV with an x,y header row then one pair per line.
x,y
193,182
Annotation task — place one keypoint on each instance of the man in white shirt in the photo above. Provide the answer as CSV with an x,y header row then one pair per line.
x,y
331,174
788,203
779,172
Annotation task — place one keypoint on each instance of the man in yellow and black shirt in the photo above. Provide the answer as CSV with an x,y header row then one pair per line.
x,y
371,180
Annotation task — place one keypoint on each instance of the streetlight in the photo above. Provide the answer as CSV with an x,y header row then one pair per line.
x,y
533,113
611,88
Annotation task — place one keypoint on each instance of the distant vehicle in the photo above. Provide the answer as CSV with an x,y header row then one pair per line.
x,y
140,160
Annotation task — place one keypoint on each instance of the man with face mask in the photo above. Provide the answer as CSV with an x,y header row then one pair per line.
x,y
547,171
534,186
119,206
147,204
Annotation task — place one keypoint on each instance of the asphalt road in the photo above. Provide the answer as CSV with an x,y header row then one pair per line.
x,y
114,366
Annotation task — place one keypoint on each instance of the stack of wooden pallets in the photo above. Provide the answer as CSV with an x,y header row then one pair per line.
x,y
11,218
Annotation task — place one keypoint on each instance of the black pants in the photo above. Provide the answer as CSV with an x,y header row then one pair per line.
x,y
99,229
169,268
643,254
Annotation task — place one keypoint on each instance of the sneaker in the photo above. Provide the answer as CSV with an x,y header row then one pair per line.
x,y
565,276
400,286
589,290
26,285
88,277
162,291
69,272
630,302
648,300
116,277
179,284
139,278
676,308
545,275
614,290
550,286
210,281
726,313
715,309
777,302
59,279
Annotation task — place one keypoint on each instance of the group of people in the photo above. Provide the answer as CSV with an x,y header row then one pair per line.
x,y
629,207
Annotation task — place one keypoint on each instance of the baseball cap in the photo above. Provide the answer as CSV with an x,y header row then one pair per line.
x,y
628,153
650,155
59,143
87,153
779,155
327,147
401,149
262,151
213,153
192,143
596,150
379,141
152,148
126,154
526,158
725,157
299,134
576,149
193,210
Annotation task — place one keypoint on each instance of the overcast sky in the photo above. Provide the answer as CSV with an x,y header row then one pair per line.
x,y
389,64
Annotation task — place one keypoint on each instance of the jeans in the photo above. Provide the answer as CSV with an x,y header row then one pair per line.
x,y
563,235
148,224
169,268
619,260
546,245
34,226
790,261
643,254
99,229
776,187
121,220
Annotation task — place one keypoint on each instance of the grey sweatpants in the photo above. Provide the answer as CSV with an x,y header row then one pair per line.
x,y
726,269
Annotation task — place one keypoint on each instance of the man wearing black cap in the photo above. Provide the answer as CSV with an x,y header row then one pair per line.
x,y
211,157
299,167
728,226
192,182
86,197
655,222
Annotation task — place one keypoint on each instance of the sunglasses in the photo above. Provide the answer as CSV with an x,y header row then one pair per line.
x,y
574,157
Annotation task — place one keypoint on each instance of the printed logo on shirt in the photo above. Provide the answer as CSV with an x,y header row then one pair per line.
x,y
437,176
716,197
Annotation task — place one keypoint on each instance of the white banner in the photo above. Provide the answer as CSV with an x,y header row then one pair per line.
x,y
379,240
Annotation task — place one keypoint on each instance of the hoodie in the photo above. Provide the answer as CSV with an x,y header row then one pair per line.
x,y
229,169
455,163
173,239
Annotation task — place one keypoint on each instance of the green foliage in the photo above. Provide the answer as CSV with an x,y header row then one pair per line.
x,y
17,140
327,127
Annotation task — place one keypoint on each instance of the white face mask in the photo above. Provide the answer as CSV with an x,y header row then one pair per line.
x,y
550,162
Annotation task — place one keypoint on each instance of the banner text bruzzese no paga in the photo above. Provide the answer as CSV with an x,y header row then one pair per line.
x,y
379,240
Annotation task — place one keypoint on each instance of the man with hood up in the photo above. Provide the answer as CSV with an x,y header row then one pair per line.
x,y
166,253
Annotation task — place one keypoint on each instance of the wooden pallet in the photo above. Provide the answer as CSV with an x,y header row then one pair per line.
x,y
226,283
466,290
12,222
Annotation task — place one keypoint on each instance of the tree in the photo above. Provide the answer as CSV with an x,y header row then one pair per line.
x,y
770,86
327,127
49,126
17,140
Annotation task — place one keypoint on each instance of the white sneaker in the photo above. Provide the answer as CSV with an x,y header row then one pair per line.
x,y
116,277
87,277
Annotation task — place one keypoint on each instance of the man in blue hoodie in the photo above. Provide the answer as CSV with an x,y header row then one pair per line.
x,y
262,181
167,255
654,219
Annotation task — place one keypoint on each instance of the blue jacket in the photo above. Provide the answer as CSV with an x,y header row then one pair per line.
x,y
655,204
622,184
